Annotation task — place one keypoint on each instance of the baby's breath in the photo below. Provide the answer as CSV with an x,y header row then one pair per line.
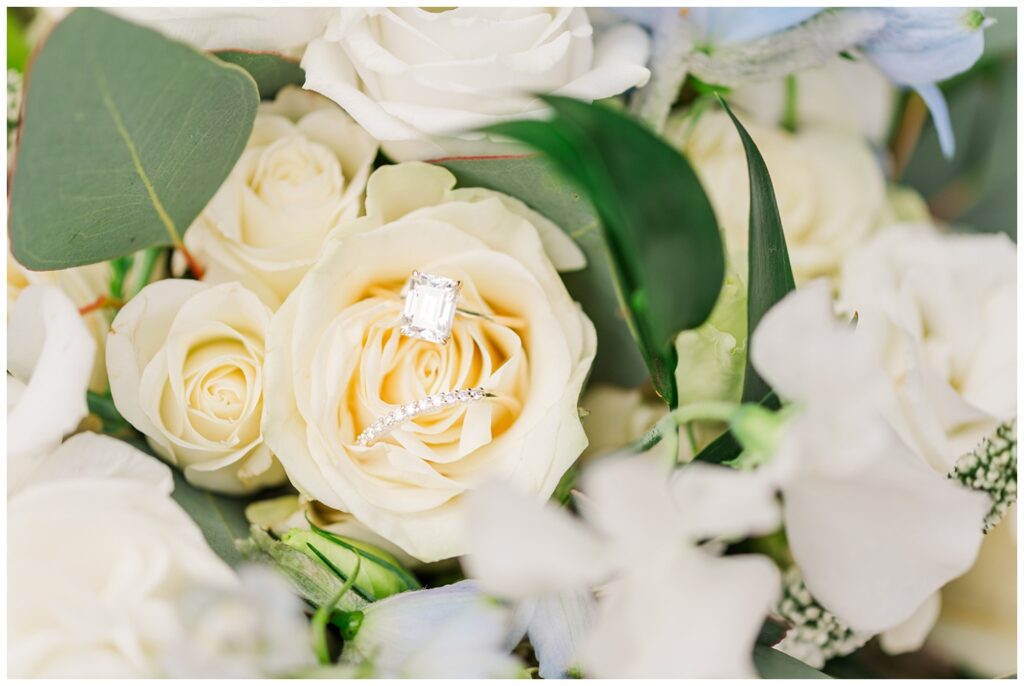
x,y
817,635
992,468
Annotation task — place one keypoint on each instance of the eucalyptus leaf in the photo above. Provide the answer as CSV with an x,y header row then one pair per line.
x,y
770,276
126,137
533,179
221,518
773,664
271,71
657,222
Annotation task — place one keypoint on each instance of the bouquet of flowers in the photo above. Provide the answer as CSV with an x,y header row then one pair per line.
x,y
486,342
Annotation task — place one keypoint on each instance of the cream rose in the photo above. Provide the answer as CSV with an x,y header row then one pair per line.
x,y
336,362
99,557
977,628
828,185
186,369
940,310
303,171
422,80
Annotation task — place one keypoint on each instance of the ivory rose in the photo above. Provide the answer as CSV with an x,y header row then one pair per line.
x,y
829,187
186,369
336,362
940,312
303,170
422,80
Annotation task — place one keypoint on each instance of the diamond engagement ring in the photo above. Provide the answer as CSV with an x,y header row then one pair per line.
x,y
429,405
429,310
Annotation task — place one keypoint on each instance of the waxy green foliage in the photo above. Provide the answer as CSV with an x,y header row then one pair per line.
x,y
270,70
665,248
533,179
126,137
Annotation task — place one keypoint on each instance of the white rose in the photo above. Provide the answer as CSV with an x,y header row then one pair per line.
x,y
49,358
848,94
940,310
978,624
84,286
421,81
828,185
336,362
303,170
244,28
186,369
99,556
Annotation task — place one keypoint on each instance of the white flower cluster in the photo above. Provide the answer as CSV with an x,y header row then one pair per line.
x,y
817,635
992,468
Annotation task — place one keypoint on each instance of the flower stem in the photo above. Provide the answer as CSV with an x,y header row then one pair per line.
x,y
323,615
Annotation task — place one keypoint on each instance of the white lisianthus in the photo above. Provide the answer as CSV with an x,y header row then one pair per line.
x,y
49,360
303,171
422,80
99,557
186,369
336,362
873,528
828,185
242,28
451,632
84,286
667,605
940,312
254,628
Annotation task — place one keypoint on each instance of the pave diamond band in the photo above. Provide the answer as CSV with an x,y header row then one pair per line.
x,y
429,310
432,403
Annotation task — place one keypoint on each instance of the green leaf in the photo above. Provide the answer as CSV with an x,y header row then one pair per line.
x,y
536,182
127,135
17,45
726,447
221,518
661,232
772,664
770,276
270,70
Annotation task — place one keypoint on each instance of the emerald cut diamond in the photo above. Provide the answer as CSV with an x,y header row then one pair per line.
x,y
429,310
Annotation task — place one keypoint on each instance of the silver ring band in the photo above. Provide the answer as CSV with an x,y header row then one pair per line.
x,y
429,405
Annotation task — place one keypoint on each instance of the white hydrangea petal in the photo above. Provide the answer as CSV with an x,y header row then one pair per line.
x,y
558,627
696,619
874,545
50,353
521,548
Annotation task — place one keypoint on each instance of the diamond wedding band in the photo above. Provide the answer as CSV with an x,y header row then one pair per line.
x,y
429,405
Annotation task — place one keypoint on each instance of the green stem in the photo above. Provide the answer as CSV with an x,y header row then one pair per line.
x,y
789,113
145,271
706,410
322,617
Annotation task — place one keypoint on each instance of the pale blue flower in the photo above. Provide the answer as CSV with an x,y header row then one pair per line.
x,y
918,47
